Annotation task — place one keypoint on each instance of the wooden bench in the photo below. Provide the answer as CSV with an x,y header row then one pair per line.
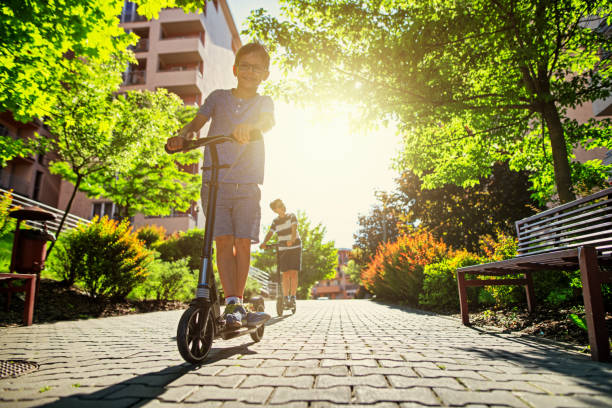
x,y
576,235
29,288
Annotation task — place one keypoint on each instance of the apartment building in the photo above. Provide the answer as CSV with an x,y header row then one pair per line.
x,y
189,54
340,287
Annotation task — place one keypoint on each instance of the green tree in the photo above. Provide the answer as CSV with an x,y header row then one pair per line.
x,y
319,258
151,182
84,122
42,42
470,82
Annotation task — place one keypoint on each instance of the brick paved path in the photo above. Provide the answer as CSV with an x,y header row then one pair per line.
x,y
330,354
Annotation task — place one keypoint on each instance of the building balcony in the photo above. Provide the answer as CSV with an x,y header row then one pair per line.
x,y
141,46
181,49
134,78
603,107
181,81
326,290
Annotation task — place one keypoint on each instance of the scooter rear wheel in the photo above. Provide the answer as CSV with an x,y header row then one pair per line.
x,y
195,334
257,335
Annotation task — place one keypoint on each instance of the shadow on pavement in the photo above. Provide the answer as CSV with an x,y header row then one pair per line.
x,y
141,389
543,354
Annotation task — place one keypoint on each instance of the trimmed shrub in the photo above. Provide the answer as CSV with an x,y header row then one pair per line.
x,y
252,288
151,234
502,247
188,244
440,283
167,281
105,257
395,273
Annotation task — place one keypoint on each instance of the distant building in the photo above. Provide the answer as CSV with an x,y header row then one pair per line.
x,y
189,54
340,287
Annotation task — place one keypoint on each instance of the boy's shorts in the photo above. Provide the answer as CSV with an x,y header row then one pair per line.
x,y
238,212
290,259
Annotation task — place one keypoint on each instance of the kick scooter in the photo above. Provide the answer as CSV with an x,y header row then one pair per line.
x,y
281,303
202,322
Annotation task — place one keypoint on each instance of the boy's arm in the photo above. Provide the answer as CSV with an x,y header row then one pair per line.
x,y
193,126
242,132
177,142
268,236
293,234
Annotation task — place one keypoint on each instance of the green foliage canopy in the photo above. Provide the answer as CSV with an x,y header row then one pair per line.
x,y
151,182
470,82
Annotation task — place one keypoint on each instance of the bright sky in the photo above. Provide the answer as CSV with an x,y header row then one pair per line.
x,y
320,166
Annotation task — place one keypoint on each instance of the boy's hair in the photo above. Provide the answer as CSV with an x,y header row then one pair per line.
x,y
253,48
277,203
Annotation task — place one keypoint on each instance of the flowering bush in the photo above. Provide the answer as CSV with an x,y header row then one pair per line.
x,y
105,257
396,271
151,234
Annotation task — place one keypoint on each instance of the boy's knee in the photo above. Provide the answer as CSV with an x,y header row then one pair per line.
x,y
224,241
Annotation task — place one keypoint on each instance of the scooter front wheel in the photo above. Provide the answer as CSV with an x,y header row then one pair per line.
x,y
195,333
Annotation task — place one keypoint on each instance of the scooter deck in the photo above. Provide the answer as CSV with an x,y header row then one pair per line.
x,y
231,333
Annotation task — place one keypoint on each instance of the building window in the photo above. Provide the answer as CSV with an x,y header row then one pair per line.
x,y
37,185
103,209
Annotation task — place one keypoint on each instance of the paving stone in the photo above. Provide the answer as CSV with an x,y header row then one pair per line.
x,y
248,395
398,381
556,401
201,380
283,395
478,385
327,381
299,371
421,395
253,381
452,397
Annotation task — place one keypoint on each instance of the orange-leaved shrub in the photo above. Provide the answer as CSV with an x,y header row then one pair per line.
x,y
395,272
105,257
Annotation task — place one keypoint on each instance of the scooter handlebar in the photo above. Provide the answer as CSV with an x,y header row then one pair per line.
x,y
203,141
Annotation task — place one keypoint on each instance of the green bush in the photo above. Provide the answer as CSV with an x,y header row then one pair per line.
x,y
440,283
188,244
151,234
7,224
252,288
167,281
105,257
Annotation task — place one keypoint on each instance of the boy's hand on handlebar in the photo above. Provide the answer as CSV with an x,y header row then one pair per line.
x,y
242,133
175,143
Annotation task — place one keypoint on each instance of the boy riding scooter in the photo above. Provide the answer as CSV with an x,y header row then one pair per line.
x,y
237,112
289,249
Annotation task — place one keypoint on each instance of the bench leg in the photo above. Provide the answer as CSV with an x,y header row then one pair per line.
x,y
28,307
463,302
593,304
529,292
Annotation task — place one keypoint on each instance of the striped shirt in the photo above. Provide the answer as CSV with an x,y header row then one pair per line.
x,y
282,227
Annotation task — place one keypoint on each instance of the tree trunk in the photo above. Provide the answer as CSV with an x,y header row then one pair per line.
x,y
563,176
66,211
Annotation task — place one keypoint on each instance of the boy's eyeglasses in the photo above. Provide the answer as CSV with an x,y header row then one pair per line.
x,y
256,69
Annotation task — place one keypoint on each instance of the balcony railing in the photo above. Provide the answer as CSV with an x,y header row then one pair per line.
x,y
132,17
71,220
141,46
134,78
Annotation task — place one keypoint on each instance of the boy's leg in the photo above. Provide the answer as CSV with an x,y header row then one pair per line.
x,y
226,264
243,262
294,282
286,283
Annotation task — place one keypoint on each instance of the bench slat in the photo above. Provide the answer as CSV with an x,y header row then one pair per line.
x,y
544,231
557,241
525,231
561,208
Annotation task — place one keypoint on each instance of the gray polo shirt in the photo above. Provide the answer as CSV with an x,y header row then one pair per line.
x,y
226,112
